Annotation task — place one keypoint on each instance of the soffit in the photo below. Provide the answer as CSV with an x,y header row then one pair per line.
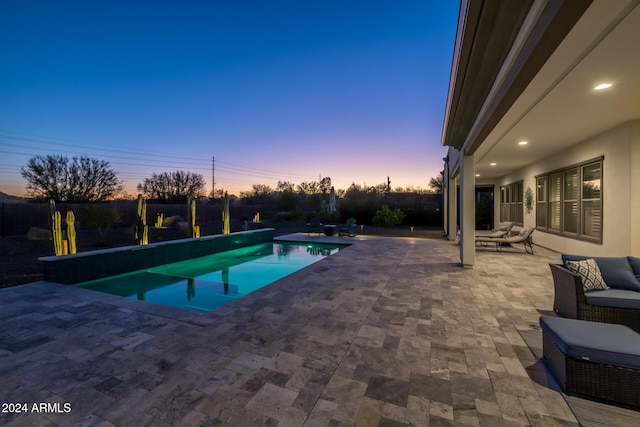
x,y
559,108
489,30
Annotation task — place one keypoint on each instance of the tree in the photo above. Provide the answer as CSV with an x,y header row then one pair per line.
x,y
288,200
312,187
79,180
325,185
217,194
172,187
259,194
285,186
380,189
436,183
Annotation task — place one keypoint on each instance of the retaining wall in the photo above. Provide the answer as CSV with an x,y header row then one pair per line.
x,y
84,266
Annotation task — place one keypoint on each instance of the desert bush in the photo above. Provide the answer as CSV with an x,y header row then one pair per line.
x,y
387,217
100,217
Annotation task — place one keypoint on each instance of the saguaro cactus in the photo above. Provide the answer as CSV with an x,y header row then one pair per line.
x,y
56,229
159,220
226,219
56,232
141,228
52,212
71,232
193,228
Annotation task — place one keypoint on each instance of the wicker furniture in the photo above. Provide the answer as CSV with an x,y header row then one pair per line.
x,y
621,306
593,359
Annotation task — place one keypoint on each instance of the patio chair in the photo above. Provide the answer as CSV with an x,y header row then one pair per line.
x,y
523,237
315,226
349,228
504,230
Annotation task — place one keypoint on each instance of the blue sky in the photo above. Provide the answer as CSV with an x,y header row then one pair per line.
x,y
275,90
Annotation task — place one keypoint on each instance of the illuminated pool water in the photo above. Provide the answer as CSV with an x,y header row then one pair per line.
x,y
206,283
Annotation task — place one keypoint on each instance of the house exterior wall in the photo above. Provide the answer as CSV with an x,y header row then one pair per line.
x,y
634,159
620,147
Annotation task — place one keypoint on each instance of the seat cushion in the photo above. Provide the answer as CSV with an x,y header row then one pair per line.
x,y
615,345
620,298
616,271
635,266
590,273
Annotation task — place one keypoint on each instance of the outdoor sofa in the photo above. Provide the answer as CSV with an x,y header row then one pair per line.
x,y
609,293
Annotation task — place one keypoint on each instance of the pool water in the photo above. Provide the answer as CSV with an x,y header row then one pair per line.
x,y
206,283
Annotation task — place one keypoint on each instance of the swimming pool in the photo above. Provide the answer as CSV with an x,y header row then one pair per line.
x,y
206,283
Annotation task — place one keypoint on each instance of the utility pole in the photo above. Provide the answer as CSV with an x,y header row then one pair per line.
x,y
213,176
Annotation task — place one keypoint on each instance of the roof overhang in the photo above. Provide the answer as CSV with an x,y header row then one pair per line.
x,y
500,47
542,87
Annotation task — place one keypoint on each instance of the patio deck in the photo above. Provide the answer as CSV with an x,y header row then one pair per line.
x,y
389,332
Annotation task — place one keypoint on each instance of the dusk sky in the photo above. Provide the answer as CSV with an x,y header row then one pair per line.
x,y
275,90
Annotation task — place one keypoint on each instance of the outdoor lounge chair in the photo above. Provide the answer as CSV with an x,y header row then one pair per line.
x,y
315,226
523,237
349,228
504,230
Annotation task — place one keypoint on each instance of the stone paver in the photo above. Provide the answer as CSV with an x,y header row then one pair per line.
x,y
388,332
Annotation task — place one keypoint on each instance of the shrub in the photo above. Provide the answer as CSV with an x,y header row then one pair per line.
x,y
100,217
386,217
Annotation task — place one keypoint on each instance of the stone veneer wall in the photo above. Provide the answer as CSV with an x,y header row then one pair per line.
x,y
85,266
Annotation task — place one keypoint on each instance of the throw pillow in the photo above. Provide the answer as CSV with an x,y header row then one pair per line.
x,y
590,272
616,271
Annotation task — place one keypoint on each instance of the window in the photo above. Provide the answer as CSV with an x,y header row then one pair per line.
x,y
541,199
554,201
512,203
569,201
591,200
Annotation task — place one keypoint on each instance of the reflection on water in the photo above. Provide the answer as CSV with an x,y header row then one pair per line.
x,y
191,289
225,279
283,251
319,250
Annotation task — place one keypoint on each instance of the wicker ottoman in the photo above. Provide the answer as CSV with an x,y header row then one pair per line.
x,y
593,359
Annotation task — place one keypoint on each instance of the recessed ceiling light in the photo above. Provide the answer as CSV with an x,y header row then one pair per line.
x,y
492,164
522,143
477,175
603,86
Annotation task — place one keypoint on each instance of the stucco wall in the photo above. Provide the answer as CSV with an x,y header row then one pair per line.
x,y
620,147
634,159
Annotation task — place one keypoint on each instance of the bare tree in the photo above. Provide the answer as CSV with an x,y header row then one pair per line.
x,y
312,187
259,194
435,184
283,186
172,187
81,179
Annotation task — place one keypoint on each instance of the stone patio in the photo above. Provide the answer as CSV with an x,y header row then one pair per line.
x,y
388,332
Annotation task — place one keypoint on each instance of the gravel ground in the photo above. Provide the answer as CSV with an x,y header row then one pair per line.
x,y
19,257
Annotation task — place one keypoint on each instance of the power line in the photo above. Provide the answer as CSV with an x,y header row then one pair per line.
x,y
191,166
143,156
